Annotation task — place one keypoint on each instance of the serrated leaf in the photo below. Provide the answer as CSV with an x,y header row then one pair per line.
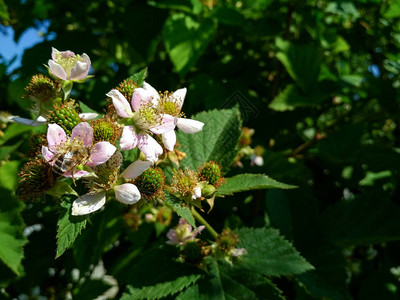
x,y
301,62
139,77
248,182
11,238
160,290
226,281
3,11
186,39
269,253
69,227
218,141
181,210
361,221
164,276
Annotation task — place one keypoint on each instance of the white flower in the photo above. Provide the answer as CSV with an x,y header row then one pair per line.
x,y
169,104
68,66
126,193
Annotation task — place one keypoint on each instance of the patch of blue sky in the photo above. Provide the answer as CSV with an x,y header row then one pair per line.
x,y
11,52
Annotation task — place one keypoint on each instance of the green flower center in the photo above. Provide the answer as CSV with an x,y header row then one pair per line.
x,y
67,61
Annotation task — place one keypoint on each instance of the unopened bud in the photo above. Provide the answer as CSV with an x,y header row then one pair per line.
x,y
208,191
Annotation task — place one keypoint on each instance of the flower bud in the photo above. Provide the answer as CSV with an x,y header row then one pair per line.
x,y
208,191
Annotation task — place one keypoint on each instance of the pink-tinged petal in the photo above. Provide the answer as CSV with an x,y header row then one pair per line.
x,y
86,59
167,124
79,71
142,96
129,138
77,174
54,52
169,140
57,71
172,239
47,154
100,153
88,116
149,146
189,126
88,203
198,230
153,92
120,103
33,123
127,193
237,252
136,168
84,132
180,95
55,136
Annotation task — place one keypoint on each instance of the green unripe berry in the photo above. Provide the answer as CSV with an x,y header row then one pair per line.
x,y
150,183
210,172
66,117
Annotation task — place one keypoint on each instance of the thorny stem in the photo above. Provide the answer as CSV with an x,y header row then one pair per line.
x,y
204,222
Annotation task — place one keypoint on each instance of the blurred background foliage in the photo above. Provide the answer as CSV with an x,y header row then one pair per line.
x,y
317,80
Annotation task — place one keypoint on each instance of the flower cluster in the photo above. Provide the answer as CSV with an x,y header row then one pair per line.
x,y
87,147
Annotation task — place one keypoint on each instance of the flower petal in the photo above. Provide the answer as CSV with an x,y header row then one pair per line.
x,y
120,103
198,230
47,154
129,138
55,135
127,193
144,95
169,140
167,124
84,132
77,174
88,203
149,146
189,125
54,52
100,153
155,95
180,95
196,193
57,71
79,71
88,116
39,121
136,168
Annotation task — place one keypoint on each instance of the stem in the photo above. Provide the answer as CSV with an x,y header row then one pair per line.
x,y
204,222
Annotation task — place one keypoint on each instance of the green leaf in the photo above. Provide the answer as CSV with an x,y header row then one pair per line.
x,y
393,10
8,175
91,289
14,130
186,39
218,141
291,98
5,151
3,11
248,182
229,16
181,210
139,77
269,253
104,229
226,281
164,276
69,227
301,62
11,225
86,109
362,221
160,290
